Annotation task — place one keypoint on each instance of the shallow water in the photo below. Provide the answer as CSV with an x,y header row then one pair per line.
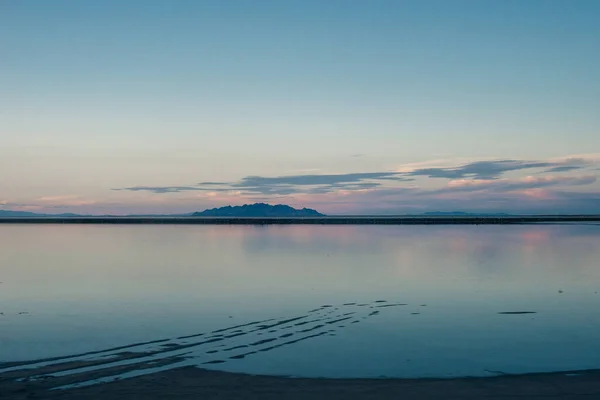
x,y
413,301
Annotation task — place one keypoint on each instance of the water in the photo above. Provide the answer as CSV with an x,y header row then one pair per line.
x,y
429,301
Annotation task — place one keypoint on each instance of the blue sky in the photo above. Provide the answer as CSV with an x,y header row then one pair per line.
x,y
150,96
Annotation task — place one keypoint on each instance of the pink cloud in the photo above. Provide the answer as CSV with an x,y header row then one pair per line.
x,y
508,185
64,201
539,194
463,184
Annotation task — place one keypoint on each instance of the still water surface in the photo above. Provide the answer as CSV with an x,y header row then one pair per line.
x,y
413,301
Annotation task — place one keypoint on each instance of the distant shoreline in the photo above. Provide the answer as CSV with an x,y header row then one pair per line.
x,y
326,220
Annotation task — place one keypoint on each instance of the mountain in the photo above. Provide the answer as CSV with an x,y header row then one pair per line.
x,y
461,214
258,210
21,214
8,214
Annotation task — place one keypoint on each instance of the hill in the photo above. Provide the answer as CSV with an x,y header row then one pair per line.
x,y
21,214
7,214
462,214
258,210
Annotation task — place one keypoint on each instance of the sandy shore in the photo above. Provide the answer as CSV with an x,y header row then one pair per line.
x,y
169,368
196,383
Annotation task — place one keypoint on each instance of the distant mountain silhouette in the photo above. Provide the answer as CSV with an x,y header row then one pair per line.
x,y
20,214
258,210
461,214
247,210
27,214
4,213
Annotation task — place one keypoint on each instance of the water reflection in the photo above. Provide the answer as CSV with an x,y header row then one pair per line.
x,y
69,289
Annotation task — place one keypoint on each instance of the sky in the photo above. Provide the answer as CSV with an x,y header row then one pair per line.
x,y
346,106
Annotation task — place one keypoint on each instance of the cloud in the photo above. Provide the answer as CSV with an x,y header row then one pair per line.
x,y
12,204
486,170
49,203
344,186
64,201
414,201
311,180
579,159
286,185
494,169
503,195
316,183
492,184
57,198
471,172
470,177
573,163
563,168
506,185
169,189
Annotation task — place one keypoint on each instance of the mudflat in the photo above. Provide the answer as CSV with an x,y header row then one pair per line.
x,y
196,383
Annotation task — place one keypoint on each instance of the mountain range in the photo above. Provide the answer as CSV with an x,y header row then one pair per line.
x,y
21,214
258,210
462,214
247,210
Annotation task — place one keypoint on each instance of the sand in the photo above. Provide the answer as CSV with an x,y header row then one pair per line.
x,y
196,383
169,368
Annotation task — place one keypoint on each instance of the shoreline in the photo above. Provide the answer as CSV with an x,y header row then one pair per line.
x,y
327,220
173,368
192,383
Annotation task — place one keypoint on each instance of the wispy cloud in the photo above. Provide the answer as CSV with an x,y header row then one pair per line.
x,y
311,180
213,183
286,185
508,185
344,187
319,183
49,203
563,168
480,169
579,159
494,168
492,184
471,174
412,200
13,205
63,201
172,189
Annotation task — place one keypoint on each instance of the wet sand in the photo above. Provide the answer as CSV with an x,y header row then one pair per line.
x,y
224,345
196,383
171,368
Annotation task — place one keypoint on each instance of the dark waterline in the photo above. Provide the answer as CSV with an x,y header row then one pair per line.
x,y
333,220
